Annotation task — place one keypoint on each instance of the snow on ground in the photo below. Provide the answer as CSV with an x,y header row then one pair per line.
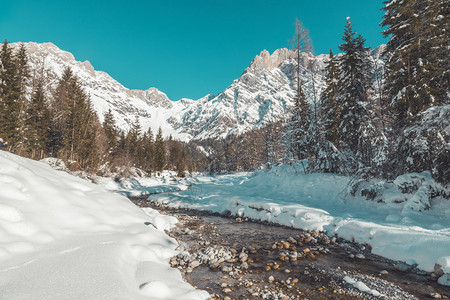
x,y
64,238
361,286
390,222
139,186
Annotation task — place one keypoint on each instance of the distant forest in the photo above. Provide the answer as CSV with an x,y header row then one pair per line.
x,y
351,128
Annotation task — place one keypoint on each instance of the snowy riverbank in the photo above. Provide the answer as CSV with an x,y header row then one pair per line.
x,y
64,238
394,222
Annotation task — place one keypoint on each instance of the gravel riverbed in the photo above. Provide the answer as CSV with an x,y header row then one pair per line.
x,y
234,258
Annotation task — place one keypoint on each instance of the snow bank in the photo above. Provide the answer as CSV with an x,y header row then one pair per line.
x,y
64,238
140,186
361,286
382,216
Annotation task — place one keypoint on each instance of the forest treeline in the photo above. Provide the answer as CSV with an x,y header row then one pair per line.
x,y
64,125
368,121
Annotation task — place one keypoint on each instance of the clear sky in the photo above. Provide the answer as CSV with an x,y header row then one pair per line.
x,y
184,48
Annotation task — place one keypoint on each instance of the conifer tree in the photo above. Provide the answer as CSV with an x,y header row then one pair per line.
x,y
109,126
134,139
417,74
417,77
330,108
38,123
23,72
10,96
74,122
353,88
160,152
149,151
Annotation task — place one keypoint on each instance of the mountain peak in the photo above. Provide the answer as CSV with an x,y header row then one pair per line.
x,y
270,61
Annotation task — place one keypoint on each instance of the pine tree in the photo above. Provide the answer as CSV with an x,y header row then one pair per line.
x,y
330,108
109,126
353,88
60,114
74,123
10,96
149,150
38,123
160,152
417,73
134,139
417,78
23,73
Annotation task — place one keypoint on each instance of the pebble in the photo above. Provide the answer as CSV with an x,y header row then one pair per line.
x,y
227,290
227,269
271,279
384,272
194,264
360,256
351,256
436,295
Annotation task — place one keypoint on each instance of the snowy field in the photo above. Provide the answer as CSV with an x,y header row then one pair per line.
x,y
396,224
62,237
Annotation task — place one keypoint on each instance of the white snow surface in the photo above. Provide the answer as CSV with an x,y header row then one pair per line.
x,y
287,196
361,286
62,237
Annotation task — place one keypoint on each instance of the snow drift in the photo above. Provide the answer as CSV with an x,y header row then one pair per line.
x,y
64,238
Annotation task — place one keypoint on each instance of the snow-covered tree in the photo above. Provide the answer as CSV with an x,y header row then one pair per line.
x,y
296,128
352,99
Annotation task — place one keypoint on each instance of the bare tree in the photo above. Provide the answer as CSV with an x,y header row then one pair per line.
x,y
300,42
297,126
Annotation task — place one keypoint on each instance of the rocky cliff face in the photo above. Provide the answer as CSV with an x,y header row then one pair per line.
x,y
264,93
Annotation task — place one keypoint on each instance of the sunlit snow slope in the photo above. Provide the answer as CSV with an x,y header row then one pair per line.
x,y
64,238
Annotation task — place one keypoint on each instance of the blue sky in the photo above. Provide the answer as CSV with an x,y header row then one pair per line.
x,y
184,48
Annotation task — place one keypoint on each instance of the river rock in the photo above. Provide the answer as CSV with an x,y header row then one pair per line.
x,y
194,264
226,269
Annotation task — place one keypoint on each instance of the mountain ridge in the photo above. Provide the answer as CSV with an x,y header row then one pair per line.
x,y
262,94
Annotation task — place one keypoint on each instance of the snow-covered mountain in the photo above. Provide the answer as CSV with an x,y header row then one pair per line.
x,y
152,107
262,94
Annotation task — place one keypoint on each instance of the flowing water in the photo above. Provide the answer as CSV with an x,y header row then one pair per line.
x,y
270,274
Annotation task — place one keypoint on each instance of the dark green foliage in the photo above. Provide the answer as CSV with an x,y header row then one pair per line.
x,y
417,69
353,88
74,123
417,78
11,91
160,152
109,126
38,123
